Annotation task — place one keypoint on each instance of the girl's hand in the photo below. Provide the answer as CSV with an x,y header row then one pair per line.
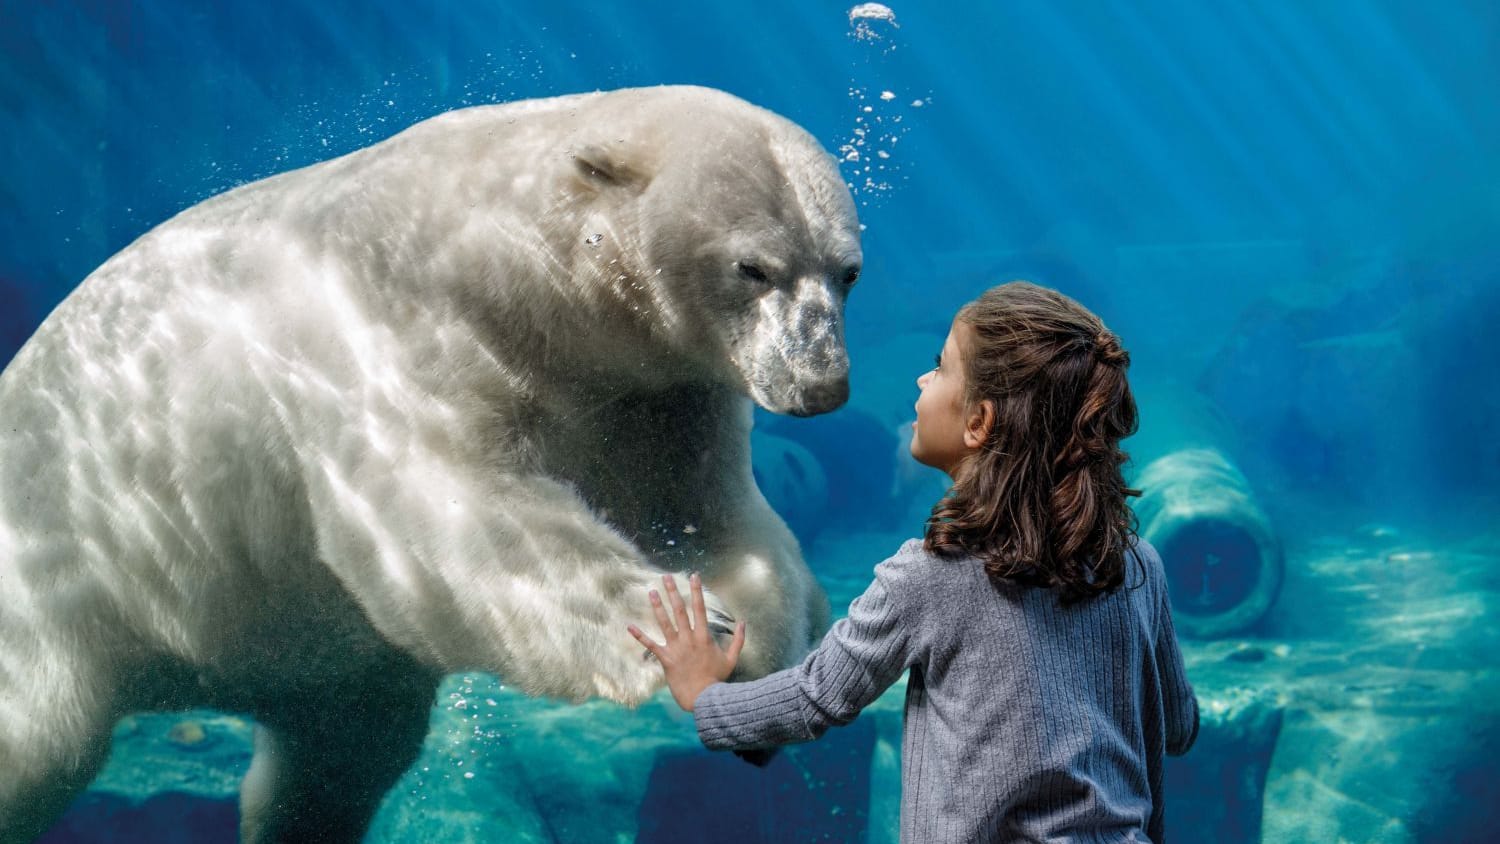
x,y
691,658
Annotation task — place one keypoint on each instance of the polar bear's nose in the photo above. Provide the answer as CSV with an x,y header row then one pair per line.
x,y
822,397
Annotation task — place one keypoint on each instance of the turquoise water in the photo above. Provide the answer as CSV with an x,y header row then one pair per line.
x,y
1287,211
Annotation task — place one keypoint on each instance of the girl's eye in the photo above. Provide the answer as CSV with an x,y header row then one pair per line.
x,y
752,272
937,361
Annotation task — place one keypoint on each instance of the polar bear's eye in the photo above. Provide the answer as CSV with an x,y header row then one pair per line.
x,y
851,275
751,271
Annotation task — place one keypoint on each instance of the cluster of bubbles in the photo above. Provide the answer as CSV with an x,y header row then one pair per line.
x,y
517,73
319,132
483,721
398,100
480,711
867,155
869,22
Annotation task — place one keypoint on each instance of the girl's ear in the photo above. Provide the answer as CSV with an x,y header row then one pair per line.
x,y
979,423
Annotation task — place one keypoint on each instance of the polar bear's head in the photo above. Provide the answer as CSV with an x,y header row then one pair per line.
x,y
738,242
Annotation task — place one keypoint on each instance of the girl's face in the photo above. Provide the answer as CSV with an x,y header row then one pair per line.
x,y
945,433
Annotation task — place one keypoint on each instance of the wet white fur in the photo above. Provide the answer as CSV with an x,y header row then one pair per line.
x,y
450,402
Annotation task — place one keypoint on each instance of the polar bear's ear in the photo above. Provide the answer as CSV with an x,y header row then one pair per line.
x,y
602,166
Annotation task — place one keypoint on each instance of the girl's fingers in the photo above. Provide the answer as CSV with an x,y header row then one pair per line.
x,y
645,640
679,609
700,612
668,631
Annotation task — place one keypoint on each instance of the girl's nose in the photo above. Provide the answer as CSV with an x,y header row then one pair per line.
x,y
922,379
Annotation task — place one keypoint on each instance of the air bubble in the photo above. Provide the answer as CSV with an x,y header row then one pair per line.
x,y
862,16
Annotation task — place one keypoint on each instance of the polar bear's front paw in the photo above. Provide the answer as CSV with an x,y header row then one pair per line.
x,y
640,676
721,622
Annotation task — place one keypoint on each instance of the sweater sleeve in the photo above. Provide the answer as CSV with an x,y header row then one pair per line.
x,y
860,657
1180,702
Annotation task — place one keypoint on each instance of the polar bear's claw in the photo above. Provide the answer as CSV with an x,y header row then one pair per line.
x,y
720,623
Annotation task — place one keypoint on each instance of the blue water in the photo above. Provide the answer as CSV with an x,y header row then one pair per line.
x,y
1287,210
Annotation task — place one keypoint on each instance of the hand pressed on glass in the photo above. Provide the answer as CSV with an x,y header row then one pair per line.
x,y
691,658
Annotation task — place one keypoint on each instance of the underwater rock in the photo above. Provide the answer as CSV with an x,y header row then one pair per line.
x,y
1393,718
1388,773
1216,793
1377,533
1224,565
200,753
839,480
1246,653
917,488
884,386
897,489
1174,417
1306,379
885,786
190,735
793,482
157,788
168,818
812,792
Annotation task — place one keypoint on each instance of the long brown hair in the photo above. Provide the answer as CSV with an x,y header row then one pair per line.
x,y
1042,502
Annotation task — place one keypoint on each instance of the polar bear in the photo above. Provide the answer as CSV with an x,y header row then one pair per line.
x,y
451,402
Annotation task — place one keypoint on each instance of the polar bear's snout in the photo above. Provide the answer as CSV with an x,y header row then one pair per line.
x,y
822,398
789,378
797,362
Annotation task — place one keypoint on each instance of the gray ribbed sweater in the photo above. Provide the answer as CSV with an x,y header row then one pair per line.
x,y
1025,720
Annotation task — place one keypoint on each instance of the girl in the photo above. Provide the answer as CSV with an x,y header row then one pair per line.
x,y
1044,689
